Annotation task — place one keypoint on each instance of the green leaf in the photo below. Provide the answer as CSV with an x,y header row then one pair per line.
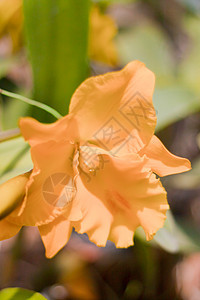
x,y
174,103
20,294
189,71
166,240
148,44
6,64
166,237
188,180
15,158
57,38
174,237
13,110
193,5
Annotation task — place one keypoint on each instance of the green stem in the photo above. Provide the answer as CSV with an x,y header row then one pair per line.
x,y
45,107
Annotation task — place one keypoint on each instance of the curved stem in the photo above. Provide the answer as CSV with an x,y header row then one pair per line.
x,y
45,107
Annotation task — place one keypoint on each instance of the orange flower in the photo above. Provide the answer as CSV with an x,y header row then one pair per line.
x,y
11,21
94,168
102,32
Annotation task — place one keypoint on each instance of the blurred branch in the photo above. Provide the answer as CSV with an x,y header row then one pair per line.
x,y
9,134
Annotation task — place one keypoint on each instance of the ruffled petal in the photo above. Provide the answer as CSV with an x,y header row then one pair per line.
x,y
161,161
114,109
55,235
36,133
97,219
121,234
151,220
51,188
8,229
114,199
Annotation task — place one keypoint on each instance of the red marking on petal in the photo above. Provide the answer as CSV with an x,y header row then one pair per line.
x,y
117,202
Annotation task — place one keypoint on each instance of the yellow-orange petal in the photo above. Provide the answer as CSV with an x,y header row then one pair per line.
x,y
12,194
55,235
72,212
161,161
114,196
35,132
120,234
152,220
51,187
8,229
113,109
97,219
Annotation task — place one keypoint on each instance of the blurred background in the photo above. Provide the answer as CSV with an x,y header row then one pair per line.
x,y
47,48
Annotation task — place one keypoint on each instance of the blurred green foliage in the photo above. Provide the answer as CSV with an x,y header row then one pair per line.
x,y
57,40
19,294
15,158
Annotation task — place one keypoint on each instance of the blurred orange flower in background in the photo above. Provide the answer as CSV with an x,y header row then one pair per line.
x,y
94,168
11,21
102,32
